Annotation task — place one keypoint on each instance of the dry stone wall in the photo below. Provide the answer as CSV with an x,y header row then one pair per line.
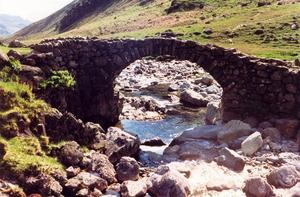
x,y
262,88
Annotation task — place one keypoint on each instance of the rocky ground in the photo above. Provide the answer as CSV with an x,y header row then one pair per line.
x,y
169,83
233,159
58,154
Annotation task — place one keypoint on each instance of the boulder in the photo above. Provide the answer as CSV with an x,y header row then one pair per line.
x,y
71,154
208,132
284,177
120,143
87,181
44,184
252,143
208,31
127,169
233,130
168,182
4,60
134,188
154,142
193,149
72,171
100,164
213,113
294,26
193,98
257,187
14,54
272,133
8,189
264,125
230,159
16,44
288,127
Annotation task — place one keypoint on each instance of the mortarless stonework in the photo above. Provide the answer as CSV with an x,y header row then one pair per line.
x,y
262,88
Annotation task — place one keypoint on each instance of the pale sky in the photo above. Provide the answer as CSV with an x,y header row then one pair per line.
x,y
32,10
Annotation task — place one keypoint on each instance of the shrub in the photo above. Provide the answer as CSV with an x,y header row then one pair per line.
x,y
15,65
59,79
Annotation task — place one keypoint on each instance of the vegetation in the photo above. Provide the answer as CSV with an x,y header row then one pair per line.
x,y
15,65
24,153
23,51
233,24
59,79
18,104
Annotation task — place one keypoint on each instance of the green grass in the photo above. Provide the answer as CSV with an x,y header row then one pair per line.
x,y
131,20
17,103
23,154
23,51
242,21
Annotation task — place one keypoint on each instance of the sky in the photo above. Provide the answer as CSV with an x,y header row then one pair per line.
x,y
32,10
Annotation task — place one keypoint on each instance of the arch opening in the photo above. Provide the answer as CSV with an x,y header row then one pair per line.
x,y
162,97
262,88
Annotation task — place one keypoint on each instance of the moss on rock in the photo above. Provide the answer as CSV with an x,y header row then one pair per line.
x,y
23,154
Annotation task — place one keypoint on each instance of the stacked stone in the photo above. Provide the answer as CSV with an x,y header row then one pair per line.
x,y
252,86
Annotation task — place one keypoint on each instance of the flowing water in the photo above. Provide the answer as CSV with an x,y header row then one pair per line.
x,y
171,126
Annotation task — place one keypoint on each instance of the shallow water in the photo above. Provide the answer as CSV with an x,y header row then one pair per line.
x,y
166,129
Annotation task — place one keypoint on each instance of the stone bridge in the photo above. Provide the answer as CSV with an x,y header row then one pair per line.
x,y
262,88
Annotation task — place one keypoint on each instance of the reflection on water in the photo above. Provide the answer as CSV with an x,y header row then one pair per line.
x,y
182,118
166,129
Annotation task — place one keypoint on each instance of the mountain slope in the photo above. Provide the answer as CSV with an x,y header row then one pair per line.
x,y
269,29
10,24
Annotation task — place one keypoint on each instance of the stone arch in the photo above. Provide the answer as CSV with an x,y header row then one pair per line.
x,y
251,86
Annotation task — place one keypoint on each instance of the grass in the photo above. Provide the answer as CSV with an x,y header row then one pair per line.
x,y
23,154
130,20
17,103
23,51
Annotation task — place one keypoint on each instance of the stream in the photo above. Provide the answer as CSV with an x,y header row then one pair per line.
x,y
168,128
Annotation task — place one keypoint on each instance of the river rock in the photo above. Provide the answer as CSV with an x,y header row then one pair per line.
x,y
168,182
72,171
257,187
85,180
252,143
193,98
44,184
197,149
209,132
230,159
100,164
127,169
71,154
213,112
284,177
121,143
232,130
134,188
288,127
154,142
8,189
272,133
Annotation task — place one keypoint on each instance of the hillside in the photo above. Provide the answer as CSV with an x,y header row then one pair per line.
x,y
10,24
266,29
